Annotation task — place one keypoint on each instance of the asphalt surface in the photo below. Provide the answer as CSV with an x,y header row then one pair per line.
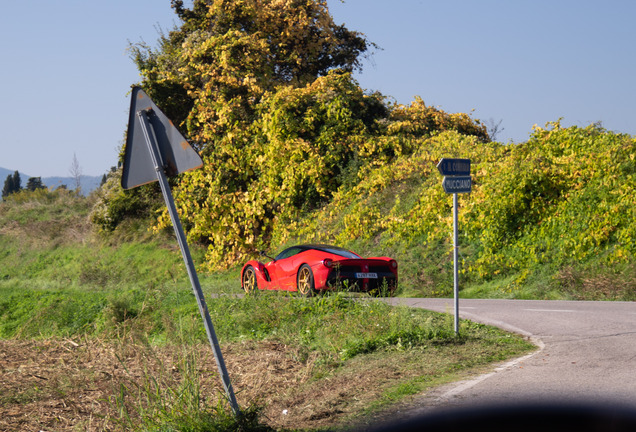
x,y
586,352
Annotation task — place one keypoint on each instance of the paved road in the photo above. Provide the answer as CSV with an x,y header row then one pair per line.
x,y
587,352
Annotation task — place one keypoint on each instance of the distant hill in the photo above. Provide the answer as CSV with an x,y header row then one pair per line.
x,y
88,183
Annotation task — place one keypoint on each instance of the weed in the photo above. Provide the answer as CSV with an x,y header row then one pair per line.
x,y
120,309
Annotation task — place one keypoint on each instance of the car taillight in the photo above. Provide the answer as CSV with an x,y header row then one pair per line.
x,y
393,264
327,262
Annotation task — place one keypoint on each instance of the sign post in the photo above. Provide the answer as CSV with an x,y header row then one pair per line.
x,y
457,179
154,149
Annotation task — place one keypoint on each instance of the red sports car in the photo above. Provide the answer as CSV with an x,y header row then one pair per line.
x,y
309,269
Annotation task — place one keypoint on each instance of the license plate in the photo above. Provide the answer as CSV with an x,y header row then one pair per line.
x,y
367,275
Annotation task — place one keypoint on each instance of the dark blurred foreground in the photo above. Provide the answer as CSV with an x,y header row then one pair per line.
x,y
529,417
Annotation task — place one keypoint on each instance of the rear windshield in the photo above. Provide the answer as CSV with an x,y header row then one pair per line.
x,y
289,252
337,251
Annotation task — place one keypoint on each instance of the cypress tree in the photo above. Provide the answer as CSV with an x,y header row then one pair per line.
x,y
8,186
17,182
11,184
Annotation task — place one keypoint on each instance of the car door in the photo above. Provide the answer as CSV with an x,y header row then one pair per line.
x,y
285,268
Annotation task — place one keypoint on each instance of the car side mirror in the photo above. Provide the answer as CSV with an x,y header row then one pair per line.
x,y
264,254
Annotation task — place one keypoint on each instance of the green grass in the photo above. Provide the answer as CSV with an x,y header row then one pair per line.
x,y
330,333
338,327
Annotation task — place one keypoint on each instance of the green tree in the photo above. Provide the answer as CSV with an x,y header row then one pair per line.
x,y
218,76
34,183
212,71
8,186
17,182
12,184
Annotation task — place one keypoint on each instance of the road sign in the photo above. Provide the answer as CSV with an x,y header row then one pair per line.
x,y
175,153
457,184
154,150
454,167
456,174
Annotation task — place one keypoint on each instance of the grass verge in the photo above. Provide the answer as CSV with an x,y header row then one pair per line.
x,y
296,364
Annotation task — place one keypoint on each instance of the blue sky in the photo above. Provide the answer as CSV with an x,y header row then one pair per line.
x,y
66,73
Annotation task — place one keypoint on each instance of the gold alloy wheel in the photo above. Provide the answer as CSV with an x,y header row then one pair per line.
x,y
305,281
249,280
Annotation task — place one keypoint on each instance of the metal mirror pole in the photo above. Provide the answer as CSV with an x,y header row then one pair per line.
x,y
187,258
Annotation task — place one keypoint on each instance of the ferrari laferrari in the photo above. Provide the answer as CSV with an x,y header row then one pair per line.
x,y
314,268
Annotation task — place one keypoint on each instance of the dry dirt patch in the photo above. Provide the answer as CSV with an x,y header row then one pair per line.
x,y
70,385
64,385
